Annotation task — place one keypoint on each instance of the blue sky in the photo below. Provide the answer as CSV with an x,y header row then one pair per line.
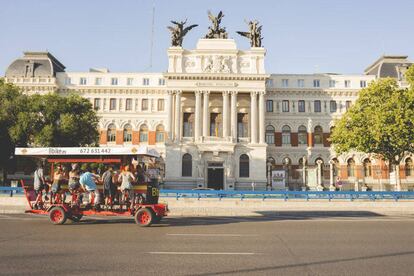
x,y
301,36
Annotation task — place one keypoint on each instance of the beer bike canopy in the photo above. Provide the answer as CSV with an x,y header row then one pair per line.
x,y
62,151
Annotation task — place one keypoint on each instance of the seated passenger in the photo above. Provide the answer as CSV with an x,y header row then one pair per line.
x,y
73,183
126,178
58,178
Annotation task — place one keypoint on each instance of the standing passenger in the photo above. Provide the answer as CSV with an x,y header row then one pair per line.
x,y
108,185
126,178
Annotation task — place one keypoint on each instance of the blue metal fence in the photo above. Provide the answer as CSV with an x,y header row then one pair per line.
x,y
289,195
264,195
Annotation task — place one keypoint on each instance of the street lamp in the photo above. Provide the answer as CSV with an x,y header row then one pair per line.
x,y
304,172
286,162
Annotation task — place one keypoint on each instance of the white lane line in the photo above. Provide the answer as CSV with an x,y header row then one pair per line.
x,y
202,253
214,235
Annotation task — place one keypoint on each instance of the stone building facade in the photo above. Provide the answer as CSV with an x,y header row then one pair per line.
x,y
220,121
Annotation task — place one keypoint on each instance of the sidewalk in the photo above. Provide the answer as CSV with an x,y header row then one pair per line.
x,y
250,207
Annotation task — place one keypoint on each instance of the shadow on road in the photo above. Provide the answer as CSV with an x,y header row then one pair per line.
x,y
261,216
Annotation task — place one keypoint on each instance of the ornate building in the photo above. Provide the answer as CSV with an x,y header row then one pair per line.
x,y
219,120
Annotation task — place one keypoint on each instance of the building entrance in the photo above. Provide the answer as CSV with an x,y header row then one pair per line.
x,y
215,178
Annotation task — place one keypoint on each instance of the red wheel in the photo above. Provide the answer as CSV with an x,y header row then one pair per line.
x,y
144,217
57,215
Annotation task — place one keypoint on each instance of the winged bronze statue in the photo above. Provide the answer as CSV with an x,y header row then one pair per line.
x,y
254,34
178,32
215,31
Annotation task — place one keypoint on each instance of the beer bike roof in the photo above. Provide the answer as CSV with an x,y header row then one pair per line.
x,y
87,151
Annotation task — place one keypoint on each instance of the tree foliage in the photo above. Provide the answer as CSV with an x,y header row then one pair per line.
x,y
44,120
380,122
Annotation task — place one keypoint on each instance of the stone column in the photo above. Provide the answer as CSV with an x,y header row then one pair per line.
x,y
261,117
233,116
319,163
177,123
206,114
225,113
197,111
253,117
170,114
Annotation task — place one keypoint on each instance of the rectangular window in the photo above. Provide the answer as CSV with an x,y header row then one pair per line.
x,y
188,119
269,106
285,106
160,105
216,125
68,81
130,81
114,81
269,83
242,124
333,106
317,106
144,106
82,81
161,81
285,83
98,81
97,103
348,105
363,83
347,83
316,83
332,83
145,81
128,104
112,104
301,106
301,83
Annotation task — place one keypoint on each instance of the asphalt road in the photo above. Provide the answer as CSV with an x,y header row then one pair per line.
x,y
288,243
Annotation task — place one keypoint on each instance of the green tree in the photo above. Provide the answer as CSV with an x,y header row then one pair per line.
x,y
12,104
380,122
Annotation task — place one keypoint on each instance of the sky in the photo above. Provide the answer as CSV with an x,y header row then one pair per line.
x,y
300,36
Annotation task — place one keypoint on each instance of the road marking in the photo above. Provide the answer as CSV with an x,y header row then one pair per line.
x,y
202,253
214,235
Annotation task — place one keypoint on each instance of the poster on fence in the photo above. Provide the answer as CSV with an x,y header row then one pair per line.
x,y
278,179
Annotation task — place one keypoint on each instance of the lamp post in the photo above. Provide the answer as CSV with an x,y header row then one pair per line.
x,y
331,175
286,168
269,175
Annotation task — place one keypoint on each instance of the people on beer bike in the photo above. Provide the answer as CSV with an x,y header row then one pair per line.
x,y
126,177
87,181
73,184
57,194
39,185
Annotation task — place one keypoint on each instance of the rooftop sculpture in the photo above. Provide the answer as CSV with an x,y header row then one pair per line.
x,y
215,31
254,33
178,32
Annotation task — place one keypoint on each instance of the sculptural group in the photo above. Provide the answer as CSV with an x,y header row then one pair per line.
x,y
215,31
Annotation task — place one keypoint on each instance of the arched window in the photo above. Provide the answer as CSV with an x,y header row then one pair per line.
x,y
286,135
318,135
127,133
143,133
111,135
159,134
244,170
302,135
351,168
270,135
367,168
409,167
187,165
